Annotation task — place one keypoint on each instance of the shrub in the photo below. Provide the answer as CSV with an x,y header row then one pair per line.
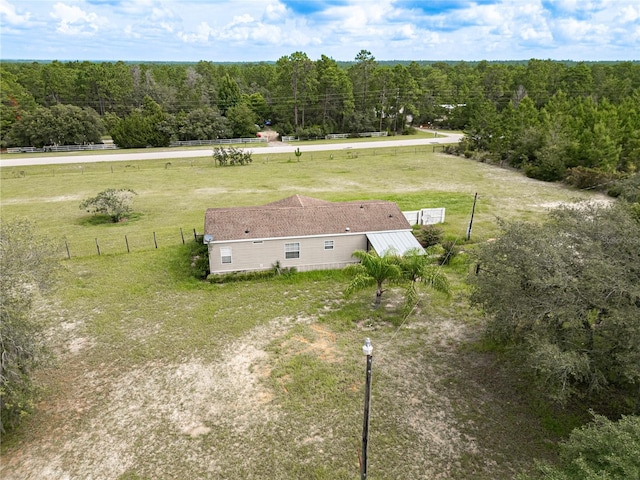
x,y
451,250
199,259
275,271
231,156
428,235
601,449
628,189
116,203
585,177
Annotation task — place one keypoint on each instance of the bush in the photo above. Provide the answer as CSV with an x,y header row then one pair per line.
x,y
428,235
312,132
199,259
584,177
451,250
628,189
231,156
275,271
601,449
116,203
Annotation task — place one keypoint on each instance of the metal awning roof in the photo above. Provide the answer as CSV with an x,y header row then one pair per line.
x,y
400,242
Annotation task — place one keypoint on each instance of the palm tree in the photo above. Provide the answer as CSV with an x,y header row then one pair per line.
x,y
374,270
418,267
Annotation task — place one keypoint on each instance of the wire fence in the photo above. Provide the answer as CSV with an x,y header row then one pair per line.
x,y
116,244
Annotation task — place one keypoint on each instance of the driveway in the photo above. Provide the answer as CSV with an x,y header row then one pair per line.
x,y
202,152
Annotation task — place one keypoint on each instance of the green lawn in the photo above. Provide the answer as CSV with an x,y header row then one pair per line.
x,y
160,376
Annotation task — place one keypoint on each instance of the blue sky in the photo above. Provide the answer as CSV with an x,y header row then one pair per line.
x,y
265,30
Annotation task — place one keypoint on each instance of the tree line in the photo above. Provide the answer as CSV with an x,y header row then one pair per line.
x,y
157,103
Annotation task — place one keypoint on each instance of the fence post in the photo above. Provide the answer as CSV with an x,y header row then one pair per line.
x,y
97,247
195,235
126,240
182,235
67,247
154,240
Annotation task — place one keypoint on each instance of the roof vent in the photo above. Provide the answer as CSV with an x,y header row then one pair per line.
x,y
347,229
246,231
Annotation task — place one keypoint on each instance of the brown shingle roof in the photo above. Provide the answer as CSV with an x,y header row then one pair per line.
x,y
298,216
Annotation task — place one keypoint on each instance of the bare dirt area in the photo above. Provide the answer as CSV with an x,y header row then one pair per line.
x,y
439,410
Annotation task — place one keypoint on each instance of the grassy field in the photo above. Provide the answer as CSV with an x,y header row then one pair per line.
x,y
160,376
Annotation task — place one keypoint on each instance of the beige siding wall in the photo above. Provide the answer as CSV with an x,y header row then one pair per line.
x,y
247,256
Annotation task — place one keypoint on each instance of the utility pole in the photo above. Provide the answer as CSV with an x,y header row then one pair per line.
x,y
367,349
473,211
395,120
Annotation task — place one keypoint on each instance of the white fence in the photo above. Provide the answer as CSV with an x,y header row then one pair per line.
x,y
373,134
219,141
425,216
335,136
63,148
111,146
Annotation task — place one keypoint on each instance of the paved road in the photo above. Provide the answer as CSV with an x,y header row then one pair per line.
x,y
280,148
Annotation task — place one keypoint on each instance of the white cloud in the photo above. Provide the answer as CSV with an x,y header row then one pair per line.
x,y
242,19
252,30
201,35
274,12
129,31
136,7
629,14
9,14
72,20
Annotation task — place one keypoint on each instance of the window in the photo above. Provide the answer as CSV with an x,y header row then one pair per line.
x,y
225,255
328,244
292,250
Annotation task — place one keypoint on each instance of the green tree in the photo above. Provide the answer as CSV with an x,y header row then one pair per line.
x,y
385,107
242,121
408,93
201,124
373,270
296,75
132,131
59,82
258,105
228,94
335,94
28,270
629,115
15,101
148,126
116,203
418,268
58,125
361,74
564,295
600,450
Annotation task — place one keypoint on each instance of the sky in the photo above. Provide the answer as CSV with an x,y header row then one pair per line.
x,y
265,30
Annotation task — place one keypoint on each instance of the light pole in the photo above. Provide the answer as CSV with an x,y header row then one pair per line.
x,y
367,349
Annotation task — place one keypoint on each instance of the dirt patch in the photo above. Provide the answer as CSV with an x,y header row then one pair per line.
x,y
122,413
270,135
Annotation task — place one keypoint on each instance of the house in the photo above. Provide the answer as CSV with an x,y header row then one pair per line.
x,y
303,232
